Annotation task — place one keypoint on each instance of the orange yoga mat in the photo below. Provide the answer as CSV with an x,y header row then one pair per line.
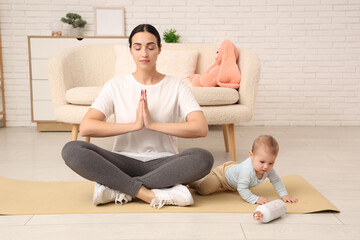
x,y
30,197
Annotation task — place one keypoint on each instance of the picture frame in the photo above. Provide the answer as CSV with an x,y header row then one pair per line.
x,y
109,21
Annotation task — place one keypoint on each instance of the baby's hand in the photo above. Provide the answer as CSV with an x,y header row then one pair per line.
x,y
289,199
262,200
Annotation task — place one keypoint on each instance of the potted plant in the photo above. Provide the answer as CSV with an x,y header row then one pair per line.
x,y
170,36
76,23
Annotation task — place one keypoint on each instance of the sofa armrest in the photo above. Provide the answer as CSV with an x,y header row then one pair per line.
x,y
81,66
250,67
59,81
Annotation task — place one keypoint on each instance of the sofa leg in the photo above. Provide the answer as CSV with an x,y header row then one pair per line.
x,y
87,139
226,137
74,132
231,131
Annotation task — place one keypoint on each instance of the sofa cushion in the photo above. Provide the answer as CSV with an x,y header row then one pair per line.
x,y
179,63
215,96
205,96
82,95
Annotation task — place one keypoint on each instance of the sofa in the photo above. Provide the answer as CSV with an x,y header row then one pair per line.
x,y
76,76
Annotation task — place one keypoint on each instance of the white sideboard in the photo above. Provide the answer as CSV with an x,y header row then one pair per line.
x,y
2,92
41,48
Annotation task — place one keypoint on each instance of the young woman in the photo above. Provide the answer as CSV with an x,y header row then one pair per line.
x,y
145,162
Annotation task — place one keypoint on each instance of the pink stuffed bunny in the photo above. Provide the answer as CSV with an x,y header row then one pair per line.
x,y
224,72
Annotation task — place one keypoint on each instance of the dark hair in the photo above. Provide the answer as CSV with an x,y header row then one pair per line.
x,y
145,28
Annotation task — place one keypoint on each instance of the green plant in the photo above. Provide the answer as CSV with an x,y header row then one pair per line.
x,y
170,36
74,19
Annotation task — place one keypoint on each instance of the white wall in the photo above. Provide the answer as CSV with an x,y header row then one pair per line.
x,y
310,49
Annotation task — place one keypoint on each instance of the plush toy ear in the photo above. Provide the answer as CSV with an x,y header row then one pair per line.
x,y
219,54
209,78
229,73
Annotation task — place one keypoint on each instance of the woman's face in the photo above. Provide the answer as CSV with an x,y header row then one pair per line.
x,y
145,50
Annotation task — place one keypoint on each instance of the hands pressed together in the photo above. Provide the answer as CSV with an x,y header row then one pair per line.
x,y
262,200
143,118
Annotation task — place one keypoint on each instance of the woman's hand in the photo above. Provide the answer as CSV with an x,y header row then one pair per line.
x,y
139,123
145,112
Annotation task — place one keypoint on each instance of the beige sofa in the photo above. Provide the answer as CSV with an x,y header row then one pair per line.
x,y
77,75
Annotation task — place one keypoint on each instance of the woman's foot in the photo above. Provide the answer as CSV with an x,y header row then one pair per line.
x,y
178,195
103,195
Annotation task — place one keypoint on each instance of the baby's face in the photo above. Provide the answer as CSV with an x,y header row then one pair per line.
x,y
262,160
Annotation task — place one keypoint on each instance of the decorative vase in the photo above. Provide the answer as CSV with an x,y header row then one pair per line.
x,y
56,28
75,31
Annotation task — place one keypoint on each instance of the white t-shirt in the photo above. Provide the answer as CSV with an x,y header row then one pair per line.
x,y
168,100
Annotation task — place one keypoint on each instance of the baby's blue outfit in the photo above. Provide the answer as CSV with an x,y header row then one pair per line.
x,y
242,176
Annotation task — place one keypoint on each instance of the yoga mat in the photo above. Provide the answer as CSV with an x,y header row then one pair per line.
x,y
30,197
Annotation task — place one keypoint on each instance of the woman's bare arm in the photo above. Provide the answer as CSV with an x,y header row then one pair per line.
x,y
195,126
93,124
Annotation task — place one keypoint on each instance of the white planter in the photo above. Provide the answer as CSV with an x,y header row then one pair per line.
x,y
75,31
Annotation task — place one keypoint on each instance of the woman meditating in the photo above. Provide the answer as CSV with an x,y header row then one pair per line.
x,y
145,162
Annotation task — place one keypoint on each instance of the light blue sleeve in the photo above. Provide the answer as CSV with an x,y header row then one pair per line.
x,y
277,183
243,184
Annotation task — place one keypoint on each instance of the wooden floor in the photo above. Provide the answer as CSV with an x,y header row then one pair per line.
x,y
327,157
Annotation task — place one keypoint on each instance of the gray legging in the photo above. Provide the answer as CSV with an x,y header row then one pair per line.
x,y
127,175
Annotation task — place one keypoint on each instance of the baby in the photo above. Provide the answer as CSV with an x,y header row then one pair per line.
x,y
250,173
